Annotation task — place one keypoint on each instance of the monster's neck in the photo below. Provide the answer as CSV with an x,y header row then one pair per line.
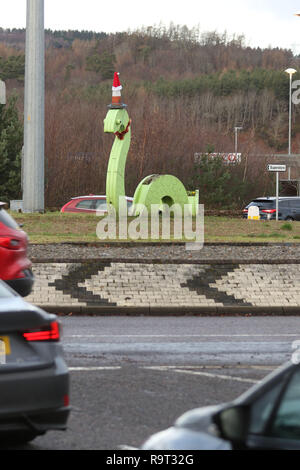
x,y
115,180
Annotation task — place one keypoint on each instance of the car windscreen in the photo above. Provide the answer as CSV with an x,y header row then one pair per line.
x,y
263,203
5,291
7,220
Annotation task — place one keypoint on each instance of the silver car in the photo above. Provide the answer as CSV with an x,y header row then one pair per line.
x,y
267,417
34,378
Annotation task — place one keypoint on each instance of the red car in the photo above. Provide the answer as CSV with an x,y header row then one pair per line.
x,y
89,204
15,267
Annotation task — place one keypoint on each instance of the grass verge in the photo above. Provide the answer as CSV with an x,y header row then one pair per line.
x,y
55,227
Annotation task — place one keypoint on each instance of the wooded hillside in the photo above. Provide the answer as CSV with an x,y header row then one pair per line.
x,y
185,90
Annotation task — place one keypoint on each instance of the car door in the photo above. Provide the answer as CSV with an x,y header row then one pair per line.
x,y
275,417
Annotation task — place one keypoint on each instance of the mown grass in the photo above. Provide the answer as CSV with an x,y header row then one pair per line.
x,y
55,227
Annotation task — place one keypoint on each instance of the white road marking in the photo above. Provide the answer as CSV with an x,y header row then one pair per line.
x,y
205,374
289,335
211,366
93,368
217,376
179,369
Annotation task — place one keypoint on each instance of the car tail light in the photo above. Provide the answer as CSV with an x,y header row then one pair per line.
x,y
245,210
66,400
269,211
48,333
10,243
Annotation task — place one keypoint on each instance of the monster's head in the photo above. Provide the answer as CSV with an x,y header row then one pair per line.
x,y
116,120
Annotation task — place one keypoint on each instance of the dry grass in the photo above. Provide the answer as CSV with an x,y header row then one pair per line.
x,y
225,229
54,227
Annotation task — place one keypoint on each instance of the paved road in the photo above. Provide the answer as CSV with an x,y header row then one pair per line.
x,y
133,376
181,340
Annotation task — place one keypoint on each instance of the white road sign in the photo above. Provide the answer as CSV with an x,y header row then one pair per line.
x,y
281,168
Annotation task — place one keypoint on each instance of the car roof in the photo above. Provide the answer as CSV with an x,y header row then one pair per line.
x,y
264,198
90,196
95,196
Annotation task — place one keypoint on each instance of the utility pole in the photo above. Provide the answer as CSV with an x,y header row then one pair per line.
x,y
34,115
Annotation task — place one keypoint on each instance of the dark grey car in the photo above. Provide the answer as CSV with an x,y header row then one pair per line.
x,y
288,208
267,417
34,378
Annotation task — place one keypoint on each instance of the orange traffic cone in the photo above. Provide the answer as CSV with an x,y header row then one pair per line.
x,y
116,90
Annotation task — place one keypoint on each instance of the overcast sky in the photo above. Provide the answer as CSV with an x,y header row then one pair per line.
x,y
263,22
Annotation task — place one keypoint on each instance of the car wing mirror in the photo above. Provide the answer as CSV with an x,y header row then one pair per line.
x,y
233,423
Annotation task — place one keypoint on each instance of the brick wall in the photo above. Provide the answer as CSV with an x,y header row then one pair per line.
x,y
212,287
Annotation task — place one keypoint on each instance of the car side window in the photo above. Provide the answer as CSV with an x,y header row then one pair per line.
x,y
85,204
101,205
286,423
284,204
296,205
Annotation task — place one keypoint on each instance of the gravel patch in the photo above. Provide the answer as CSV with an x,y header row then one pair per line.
x,y
243,253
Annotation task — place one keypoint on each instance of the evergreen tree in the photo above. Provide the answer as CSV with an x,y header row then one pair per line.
x,y
219,185
12,67
11,142
101,63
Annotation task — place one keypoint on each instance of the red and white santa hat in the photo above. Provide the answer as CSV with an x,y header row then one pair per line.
x,y
116,89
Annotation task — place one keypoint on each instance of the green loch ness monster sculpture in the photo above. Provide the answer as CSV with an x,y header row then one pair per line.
x,y
160,190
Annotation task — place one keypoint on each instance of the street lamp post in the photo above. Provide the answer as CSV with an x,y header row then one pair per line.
x,y
297,14
33,164
290,72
